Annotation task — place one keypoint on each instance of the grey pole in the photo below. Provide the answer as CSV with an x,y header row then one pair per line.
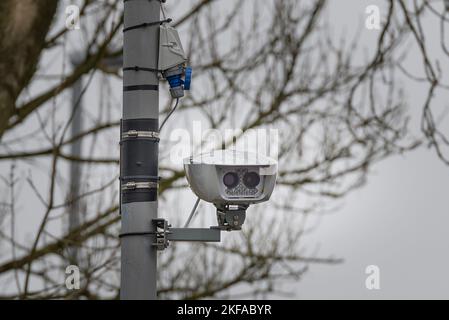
x,y
139,155
75,167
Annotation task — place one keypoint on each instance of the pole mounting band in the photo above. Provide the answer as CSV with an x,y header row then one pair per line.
x,y
131,185
150,87
140,134
137,68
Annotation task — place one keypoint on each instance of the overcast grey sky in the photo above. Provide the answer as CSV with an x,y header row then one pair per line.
x,y
399,221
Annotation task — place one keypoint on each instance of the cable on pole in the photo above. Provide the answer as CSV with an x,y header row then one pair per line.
x,y
169,114
192,213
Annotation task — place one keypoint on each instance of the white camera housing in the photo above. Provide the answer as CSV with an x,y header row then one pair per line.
x,y
228,177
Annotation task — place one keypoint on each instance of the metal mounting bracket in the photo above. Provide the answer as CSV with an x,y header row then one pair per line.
x,y
165,233
161,233
231,217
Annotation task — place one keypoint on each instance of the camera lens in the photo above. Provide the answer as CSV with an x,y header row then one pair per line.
x,y
231,179
251,179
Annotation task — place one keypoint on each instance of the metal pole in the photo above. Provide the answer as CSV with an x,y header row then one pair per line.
x,y
75,167
139,156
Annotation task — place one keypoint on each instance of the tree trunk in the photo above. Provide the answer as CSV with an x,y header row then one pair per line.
x,y
24,25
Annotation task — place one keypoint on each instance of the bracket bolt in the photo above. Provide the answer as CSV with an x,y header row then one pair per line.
x,y
133,133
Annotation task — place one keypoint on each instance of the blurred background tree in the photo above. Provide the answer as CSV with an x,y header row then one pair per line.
x,y
257,64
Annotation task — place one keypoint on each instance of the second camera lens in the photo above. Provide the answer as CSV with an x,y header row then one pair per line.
x,y
251,179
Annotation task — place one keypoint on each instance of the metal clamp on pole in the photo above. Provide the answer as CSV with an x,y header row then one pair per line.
x,y
138,162
140,134
131,185
165,233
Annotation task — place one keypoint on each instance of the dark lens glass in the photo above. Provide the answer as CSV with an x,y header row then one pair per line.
x,y
231,179
251,179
